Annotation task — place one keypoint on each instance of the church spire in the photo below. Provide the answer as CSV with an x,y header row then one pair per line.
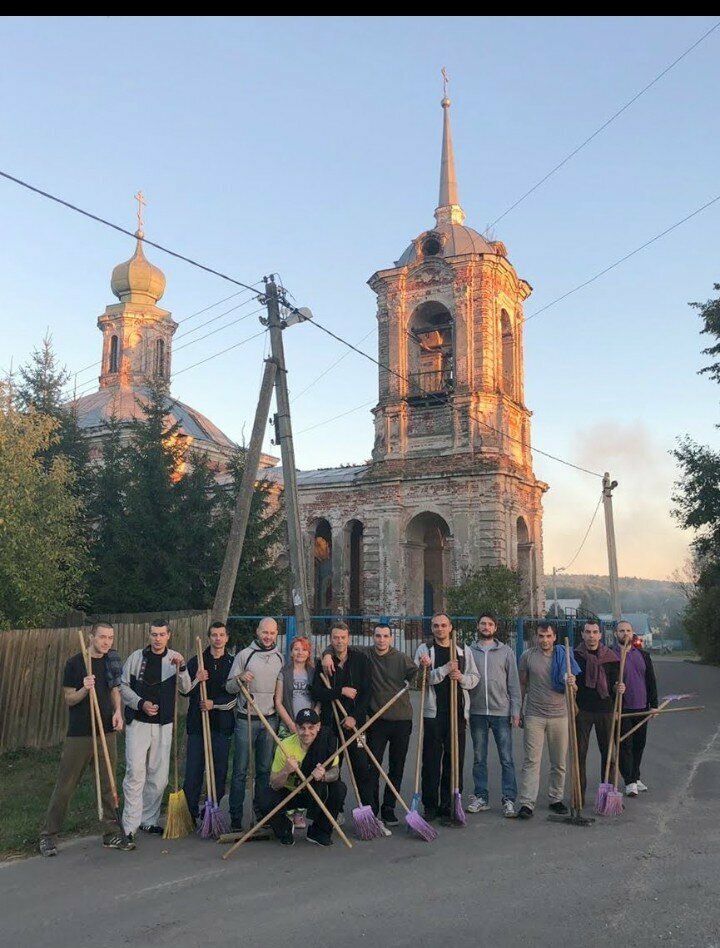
x,y
448,210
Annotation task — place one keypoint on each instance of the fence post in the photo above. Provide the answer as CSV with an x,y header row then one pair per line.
x,y
290,633
571,631
519,637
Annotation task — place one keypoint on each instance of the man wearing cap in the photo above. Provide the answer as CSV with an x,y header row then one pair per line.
x,y
308,749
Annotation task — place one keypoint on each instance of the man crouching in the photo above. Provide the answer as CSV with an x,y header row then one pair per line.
x,y
308,750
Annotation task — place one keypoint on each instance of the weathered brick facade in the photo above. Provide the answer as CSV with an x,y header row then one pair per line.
x,y
450,486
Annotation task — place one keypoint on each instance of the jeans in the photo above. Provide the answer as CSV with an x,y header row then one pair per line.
x,y
480,726
195,767
263,749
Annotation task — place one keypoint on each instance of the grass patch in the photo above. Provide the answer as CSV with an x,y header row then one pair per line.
x,y
27,779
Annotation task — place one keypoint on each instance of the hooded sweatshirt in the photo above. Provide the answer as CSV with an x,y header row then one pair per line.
x,y
498,690
265,666
437,675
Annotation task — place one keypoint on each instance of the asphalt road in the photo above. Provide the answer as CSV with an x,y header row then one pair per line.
x,y
649,876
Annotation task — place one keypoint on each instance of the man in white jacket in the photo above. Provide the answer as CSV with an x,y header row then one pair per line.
x,y
437,671
147,688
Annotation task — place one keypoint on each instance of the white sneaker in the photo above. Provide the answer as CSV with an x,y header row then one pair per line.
x,y
340,819
641,787
477,804
385,830
509,810
631,790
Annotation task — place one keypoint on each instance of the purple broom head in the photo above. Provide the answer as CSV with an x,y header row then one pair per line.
x,y
367,825
420,826
219,822
458,814
601,797
206,828
613,803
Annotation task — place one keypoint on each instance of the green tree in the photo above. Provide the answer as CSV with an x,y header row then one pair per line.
x,y
493,588
696,499
42,548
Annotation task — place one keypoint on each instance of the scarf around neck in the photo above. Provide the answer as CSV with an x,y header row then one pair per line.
x,y
595,676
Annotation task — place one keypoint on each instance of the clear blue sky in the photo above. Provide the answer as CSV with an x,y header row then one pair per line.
x,y
310,147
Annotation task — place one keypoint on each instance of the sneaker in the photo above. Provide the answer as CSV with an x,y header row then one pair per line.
x,y
299,821
631,790
318,838
445,818
525,813
430,813
384,829
388,817
559,807
477,804
151,828
508,808
47,846
117,841
340,819
641,786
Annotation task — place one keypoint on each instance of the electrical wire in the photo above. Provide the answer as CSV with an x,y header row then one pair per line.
x,y
221,352
330,367
564,569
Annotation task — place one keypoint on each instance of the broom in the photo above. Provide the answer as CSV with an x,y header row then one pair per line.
x,y
415,802
214,822
605,786
457,814
96,759
613,805
179,822
413,819
367,825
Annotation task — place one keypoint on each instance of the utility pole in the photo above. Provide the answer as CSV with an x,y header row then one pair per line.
x,y
556,570
283,434
608,487
241,515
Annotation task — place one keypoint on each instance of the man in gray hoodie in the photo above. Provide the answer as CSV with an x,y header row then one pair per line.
x,y
494,706
257,667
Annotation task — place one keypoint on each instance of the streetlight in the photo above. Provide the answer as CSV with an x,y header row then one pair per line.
x,y
556,570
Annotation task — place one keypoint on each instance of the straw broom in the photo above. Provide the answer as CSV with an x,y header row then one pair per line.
x,y
415,803
367,825
179,822
613,804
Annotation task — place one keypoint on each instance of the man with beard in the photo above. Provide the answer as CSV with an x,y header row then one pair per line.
x,y
640,695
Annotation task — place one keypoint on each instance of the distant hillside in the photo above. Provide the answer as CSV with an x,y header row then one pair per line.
x,y
664,601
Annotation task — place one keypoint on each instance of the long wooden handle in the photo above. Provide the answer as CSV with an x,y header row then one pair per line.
x,y
96,759
421,730
644,720
623,655
313,792
350,769
103,745
205,721
301,786
175,727
662,710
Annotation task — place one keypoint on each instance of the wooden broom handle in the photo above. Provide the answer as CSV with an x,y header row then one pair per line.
x,y
103,743
421,731
205,721
96,759
335,703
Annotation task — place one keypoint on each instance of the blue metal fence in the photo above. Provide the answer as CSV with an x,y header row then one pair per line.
x,y
409,631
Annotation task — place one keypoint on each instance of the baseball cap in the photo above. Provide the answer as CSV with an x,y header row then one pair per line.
x,y
307,716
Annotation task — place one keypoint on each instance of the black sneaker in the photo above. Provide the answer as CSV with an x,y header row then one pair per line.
x,y
445,818
151,828
389,818
47,846
117,841
318,838
525,813
559,807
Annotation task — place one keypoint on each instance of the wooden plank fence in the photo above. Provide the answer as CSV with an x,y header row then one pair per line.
x,y
32,710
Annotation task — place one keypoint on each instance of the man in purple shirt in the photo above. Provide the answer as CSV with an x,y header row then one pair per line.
x,y
640,695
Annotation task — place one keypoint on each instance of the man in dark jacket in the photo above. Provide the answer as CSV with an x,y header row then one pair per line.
x,y
350,684
220,705
309,748
596,684
640,695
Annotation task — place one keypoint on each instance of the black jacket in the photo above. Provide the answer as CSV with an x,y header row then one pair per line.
x,y
222,716
355,673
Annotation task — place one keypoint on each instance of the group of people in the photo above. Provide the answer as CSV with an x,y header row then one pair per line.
x,y
316,705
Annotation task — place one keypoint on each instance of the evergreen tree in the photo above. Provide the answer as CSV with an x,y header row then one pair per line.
x,y
200,546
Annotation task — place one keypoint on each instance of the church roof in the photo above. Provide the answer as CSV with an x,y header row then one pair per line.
x,y
455,240
322,477
94,411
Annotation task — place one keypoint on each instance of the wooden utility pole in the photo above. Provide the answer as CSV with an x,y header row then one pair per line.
x,y
243,502
608,487
283,435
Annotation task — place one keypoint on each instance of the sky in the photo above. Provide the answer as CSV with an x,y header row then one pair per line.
x,y
310,147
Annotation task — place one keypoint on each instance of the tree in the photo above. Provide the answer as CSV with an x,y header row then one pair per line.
x,y
696,499
493,588
42,548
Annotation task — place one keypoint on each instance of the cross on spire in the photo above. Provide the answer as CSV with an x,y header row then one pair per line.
x,y
140,198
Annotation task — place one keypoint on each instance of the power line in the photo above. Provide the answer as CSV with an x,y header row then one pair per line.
x,y
212,332
627,256
221,352
123,230
438,396
587,534
336,417
604,126
330,368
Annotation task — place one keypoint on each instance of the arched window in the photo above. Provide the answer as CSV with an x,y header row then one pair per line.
x,y
323,592
508,355
430,352
114,354
160,358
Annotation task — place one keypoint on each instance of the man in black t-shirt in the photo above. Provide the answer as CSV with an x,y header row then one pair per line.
x,y
78,748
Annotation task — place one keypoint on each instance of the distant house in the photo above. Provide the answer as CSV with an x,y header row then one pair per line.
x,y
566,608
640,622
